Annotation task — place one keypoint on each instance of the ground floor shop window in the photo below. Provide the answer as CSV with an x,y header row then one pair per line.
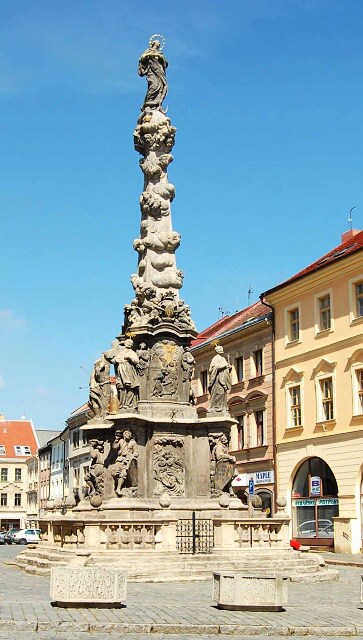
x,y
314,501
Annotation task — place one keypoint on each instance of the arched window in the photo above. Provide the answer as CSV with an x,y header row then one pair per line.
x,y
314,502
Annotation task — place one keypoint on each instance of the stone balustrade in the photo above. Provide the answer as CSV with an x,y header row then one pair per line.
x,y
229,533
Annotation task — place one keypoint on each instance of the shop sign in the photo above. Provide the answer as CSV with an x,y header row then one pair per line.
x,y
264,477
315,486
320,502
259,477
303,503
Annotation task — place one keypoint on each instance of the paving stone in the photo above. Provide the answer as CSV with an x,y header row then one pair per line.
x,y
158,611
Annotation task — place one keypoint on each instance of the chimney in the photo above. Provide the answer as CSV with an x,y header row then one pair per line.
x,y
349,235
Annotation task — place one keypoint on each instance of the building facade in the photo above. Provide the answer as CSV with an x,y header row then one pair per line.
x,y
247,341
59,475
44,456
319,396
32,492
18,443
79,458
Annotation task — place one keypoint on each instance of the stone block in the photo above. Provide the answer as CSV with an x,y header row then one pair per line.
x,y
250,592
87,587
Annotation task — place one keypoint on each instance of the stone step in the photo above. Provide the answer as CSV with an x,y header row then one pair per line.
x,y
157,557
288,564
155,566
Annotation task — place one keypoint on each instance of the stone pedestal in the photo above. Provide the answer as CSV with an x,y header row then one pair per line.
x,y
75,586
249,592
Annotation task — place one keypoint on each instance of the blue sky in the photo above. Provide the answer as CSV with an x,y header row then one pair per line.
x,y
267,99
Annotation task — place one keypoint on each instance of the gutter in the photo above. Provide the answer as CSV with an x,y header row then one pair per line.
x,y
273,397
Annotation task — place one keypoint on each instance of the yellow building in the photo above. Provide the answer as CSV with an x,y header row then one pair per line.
x,y
246,338
318,319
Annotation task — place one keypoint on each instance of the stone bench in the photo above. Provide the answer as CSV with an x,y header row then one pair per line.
x,y
249,591
74,586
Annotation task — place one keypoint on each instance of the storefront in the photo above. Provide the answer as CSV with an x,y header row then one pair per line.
x,y
314,503
263,482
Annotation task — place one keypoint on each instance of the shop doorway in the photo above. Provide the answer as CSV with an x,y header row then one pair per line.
x,y
314,503
266,497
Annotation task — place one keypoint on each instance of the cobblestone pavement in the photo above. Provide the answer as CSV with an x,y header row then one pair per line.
x,y
161,610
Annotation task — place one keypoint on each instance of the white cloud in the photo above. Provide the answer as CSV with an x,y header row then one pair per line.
x,y
8,318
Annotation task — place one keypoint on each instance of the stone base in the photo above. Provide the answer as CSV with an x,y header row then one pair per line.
x,y
87,587
249,592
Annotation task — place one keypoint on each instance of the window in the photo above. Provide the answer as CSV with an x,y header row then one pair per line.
x,y
75,439
357,380
324,321
257,359
295,406
356,298
204,381
241,432
85,472
294,325
358,288
4,474
326,397
359,374
259,428
17,500
4,500
22,450
17,475
76,476
2,450
238,363
312,514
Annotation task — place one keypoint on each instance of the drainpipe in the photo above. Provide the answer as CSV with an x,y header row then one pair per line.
x,y
64,463
273,398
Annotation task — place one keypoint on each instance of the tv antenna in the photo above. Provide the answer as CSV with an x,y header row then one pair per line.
x,y
222,310
249,294
350,217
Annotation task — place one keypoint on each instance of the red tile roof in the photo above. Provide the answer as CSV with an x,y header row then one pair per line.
x,y
228,323
17,433
352,241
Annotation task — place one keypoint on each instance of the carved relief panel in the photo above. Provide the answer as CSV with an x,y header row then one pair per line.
x,y
169,466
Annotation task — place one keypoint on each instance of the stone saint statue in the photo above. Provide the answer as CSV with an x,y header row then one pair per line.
x,y
94,479
124,470
153,64
100,388
219,382
222,466
125,362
